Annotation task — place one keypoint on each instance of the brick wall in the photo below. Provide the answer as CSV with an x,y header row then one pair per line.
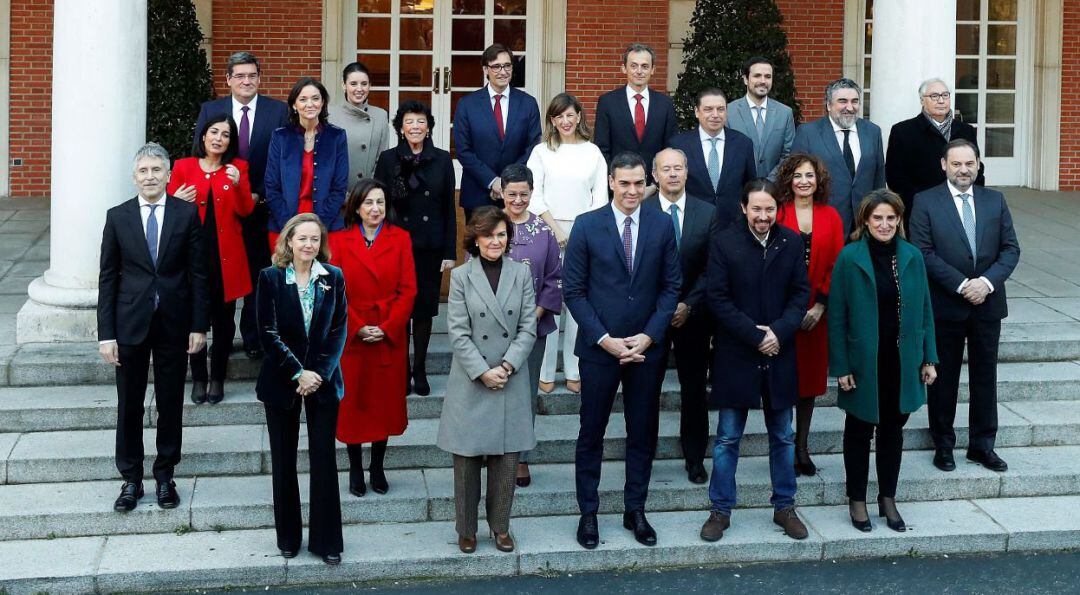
x,y
596,35
815,41
31,100
1069,160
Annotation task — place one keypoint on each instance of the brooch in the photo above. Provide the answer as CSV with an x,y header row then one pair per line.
x,y
324,286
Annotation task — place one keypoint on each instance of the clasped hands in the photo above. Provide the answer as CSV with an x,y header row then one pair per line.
x,y
371,334
497,377
628,350
975,291
770,345
308,382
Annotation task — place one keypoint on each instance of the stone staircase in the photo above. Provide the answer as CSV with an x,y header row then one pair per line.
x,y
58,532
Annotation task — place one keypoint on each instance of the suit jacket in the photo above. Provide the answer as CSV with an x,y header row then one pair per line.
x,y
818,138
938,231
736,169
427,211
699,225
283,170
913,160
270,114
777,137
604,298
481,152
614,131
129,280
291,349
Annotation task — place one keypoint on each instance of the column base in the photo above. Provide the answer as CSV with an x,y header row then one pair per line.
x,y
57,314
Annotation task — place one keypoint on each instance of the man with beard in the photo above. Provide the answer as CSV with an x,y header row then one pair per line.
x,y
850,146
768,123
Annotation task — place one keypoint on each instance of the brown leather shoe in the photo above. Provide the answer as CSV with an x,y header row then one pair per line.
x,y
467,545
793,527
503,543
714,528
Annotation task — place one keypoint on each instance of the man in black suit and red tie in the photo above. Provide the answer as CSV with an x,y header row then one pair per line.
x,y
152,300
635,118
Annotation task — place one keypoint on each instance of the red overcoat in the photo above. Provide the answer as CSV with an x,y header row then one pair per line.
x,y
826,241
380,285
231,203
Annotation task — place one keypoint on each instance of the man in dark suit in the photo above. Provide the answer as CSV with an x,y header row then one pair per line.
x,y
966,235
694,222
913,160
256,117
849,145
493,127
767,122
720,159
621,281
635,118
152,299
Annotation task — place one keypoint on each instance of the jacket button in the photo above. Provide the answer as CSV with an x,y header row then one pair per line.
x,y
482,315
405,218
484,337
510,312
425,217
427,193
363,147
315,163
505,335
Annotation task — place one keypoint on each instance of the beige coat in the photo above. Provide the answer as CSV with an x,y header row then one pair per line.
x,y
368,134
485,330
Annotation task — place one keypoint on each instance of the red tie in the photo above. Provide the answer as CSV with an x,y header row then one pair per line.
x,y
499,117
639,118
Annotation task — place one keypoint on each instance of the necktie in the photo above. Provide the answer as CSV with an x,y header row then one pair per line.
x,y
969,221
245,132
639,118
499,117
628,244
674,211
714,164
759,121
849,157
152,234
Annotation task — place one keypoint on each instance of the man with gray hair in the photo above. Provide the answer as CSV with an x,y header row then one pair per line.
x,y
849,145
152,300
913,160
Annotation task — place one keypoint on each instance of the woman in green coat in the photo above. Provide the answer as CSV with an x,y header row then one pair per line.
x,y
881,348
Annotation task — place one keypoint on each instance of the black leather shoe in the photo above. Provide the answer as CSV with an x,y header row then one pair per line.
x,y
358,489
216,393
332,559
254,352
695,472
198,392
988,459
378,481
896,524
588,532
420,384
943,459
166,494
643,531
130,493
289,553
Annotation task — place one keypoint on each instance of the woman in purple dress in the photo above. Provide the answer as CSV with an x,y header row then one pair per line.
x,y
534,244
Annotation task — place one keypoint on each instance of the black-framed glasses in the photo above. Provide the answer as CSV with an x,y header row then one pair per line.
x,y
938,96
505,67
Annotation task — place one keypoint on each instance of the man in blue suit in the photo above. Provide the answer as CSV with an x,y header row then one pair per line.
x,y
256,117
493,127
621,281
720,159
856,161
768,123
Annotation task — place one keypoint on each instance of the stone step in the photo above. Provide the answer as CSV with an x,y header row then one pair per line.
x,y
394,551
43,409
81,455
208,503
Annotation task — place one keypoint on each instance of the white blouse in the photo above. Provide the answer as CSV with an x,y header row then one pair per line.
x,y
568,181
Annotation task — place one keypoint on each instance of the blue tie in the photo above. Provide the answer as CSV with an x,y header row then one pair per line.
x,y
152,234
674,210
714,164
969,222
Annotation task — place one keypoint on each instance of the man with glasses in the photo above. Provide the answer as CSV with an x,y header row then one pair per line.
x,y
493,127
913,160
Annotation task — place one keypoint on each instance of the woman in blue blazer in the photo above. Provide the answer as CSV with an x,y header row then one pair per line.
x,y
307,165
302,328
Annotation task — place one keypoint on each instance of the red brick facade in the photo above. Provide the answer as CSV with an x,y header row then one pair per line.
x,y
1069,161
31,101
815,41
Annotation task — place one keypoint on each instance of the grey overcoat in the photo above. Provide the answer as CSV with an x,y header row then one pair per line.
x,y
487,329
368,134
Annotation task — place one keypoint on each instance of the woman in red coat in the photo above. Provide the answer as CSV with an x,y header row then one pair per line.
x,y
380,286
218,183
803,183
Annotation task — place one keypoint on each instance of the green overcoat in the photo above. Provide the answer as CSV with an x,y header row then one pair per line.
x,y
853,328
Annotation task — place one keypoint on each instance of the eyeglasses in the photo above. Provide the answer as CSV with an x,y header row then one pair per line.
x,y
245,77
506,67
938,96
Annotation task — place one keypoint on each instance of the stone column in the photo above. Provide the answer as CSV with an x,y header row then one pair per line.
x,y
913,40
98,122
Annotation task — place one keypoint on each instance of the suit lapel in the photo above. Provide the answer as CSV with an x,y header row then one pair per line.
x,y
866,148
828,138
489,111
480,282
982,206
168,228
615,233
949,206
728,168
643,235
321,281
697,159
134,221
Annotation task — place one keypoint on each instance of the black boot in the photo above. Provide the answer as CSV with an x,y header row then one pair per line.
x,y
357,487
421,338
378,479
804,412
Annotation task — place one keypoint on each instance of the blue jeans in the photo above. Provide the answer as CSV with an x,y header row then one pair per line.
x,y
729,432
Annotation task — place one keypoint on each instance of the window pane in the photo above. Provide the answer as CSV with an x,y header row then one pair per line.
x,y
1001,74
967,10
866,74
511,33
373,34
1000,108
376,6
417,7
1002,10
868,42
468,72
467,34
379,68
866,105
967,104
967,40
518,78
415,71
416,34
421,96
1001,40
380,99
514,7
468,7
967,73
869,10
999,142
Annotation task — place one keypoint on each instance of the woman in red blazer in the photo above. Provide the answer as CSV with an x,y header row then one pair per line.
x,y
216,181
803,182
380,287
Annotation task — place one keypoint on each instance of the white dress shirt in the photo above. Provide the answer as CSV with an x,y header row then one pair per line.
x,y
853,140
632,103
959,204
238,114
504,103
706,148
666,204
764,113
635,224
159,214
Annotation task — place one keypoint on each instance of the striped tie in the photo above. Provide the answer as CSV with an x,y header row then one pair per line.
x,y
628,245
969,221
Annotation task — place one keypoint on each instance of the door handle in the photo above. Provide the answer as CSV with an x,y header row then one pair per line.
x,y
435,81
446,80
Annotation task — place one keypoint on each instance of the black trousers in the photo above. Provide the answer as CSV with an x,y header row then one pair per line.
x,y
254,230
691,345
283,427
223,326
981,337
641,410
890,451
170,368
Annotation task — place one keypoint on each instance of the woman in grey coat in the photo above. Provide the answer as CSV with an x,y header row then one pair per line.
x,y
487,412
367,127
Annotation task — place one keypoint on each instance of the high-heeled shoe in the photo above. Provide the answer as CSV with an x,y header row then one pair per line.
x,y
420,383
864,526
574,386
546,387
358,489
523,481
896,524
378,481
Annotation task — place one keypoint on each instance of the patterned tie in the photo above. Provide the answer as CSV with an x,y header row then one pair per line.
x,y
245,132
152,234
849,156
628,245
674,211
714,164
639,118
969,221
499,117
759,121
